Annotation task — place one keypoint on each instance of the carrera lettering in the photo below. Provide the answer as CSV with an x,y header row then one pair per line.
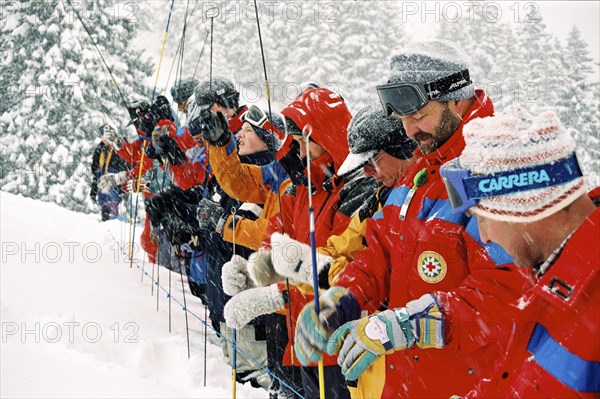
x,y
516,180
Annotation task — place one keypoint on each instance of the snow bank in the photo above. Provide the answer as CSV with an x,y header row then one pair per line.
x,y
78,322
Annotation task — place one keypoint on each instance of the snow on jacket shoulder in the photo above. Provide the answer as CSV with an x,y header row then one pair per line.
x,y
415,246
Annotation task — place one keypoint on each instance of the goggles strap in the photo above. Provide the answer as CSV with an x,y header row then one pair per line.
x,y
525,179
448,84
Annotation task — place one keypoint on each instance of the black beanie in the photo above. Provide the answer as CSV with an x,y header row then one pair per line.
x,y
265,135
370,131
183,89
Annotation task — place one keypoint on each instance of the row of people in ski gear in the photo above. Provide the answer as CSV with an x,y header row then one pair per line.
x,y
418,297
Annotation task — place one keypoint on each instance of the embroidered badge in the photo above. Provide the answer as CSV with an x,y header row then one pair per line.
x,y
432,267
376,330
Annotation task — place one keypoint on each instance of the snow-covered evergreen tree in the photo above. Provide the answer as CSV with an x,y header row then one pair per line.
x,y
580,103
369,36
56,92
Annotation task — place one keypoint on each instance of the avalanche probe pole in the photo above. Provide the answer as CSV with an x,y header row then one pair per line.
x,y
139,177
306,132
234,332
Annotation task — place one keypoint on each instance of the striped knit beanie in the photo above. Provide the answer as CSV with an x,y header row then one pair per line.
x,y
517,140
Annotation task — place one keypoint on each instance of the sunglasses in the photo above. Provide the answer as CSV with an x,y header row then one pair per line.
x,y
374,162
408,97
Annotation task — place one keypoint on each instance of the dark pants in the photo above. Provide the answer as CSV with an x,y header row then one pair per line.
x,y
335,383
276,344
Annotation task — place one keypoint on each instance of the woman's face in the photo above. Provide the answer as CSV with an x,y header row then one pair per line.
x,y
249,142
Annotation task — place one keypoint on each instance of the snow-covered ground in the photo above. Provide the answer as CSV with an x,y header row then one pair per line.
x,y
77,321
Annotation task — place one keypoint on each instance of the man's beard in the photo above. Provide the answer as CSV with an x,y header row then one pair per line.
x,y
449,123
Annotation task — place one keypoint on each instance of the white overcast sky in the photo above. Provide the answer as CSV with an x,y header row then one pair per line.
x,y
559,16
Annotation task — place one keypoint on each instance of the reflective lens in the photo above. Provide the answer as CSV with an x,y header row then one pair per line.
x,y
255,116
402,98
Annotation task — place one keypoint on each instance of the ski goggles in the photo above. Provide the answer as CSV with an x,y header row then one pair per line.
x,y
406,98
102,130
258,118
465,190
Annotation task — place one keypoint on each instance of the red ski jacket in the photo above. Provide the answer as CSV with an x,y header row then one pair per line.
x,y
555,347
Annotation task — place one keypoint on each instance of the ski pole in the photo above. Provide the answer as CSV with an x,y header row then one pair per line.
x,y
306,132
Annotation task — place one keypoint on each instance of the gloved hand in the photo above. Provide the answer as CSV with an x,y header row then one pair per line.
x,y
337,306
109,180
235,277
212,126
132,187
211,216
161,109
164,147
260,269
289,158
293,259
249,304
159,134
360,342
113,138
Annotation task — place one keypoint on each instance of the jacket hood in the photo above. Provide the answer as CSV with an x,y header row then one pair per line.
x,y
328,116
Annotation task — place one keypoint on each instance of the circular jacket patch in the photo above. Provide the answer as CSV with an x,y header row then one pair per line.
x,y
432,267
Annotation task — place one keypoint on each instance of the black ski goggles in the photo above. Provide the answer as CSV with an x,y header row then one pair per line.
x,y
408,97
258,118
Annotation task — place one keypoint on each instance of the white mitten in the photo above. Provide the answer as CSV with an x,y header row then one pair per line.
x,y
293,259
109,180
234,276
249,304
260,269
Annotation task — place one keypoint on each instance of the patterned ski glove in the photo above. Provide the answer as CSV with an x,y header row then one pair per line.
x,y
293,259
361,342
235,276
249,304
109,180
132,187
337,306
211,216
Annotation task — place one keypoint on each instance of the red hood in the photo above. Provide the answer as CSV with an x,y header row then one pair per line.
x,y
171,126
326,112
